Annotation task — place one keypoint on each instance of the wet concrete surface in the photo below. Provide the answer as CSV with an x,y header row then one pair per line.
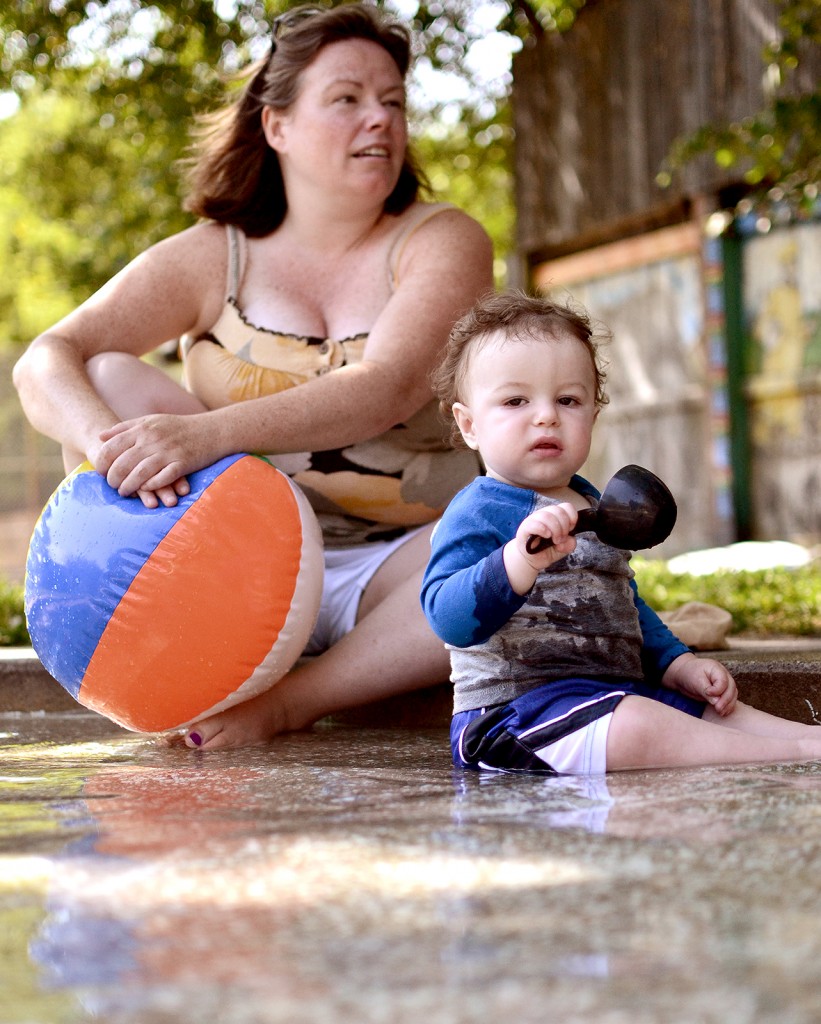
x,y
351,875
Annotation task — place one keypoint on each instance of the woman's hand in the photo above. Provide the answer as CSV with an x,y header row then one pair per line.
x,y
554,522
151,456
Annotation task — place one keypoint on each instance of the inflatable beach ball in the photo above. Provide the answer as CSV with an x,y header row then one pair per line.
x,y
156,618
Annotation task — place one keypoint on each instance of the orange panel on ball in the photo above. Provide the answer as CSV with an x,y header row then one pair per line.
x,y
207,606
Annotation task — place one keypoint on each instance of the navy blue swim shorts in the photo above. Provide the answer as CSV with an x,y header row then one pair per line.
x,y
558,728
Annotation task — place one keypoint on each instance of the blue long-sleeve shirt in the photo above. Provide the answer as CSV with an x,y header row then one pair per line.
x,y
583,616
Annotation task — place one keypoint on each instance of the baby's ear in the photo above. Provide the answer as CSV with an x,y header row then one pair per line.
x,y
464,421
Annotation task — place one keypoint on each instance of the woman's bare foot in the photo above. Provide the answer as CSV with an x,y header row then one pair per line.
x,y
248,724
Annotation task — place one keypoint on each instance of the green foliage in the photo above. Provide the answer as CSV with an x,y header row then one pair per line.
x,y
108,92
776,150
447,29
13,632
469,164
777,601
535,17
87,163
469,158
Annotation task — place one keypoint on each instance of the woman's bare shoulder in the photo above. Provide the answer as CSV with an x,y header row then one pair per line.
x,y
187,269
176,285
430,214
448,222
443,234
193,248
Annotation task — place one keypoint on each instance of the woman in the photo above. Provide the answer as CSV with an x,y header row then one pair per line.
x,y
341,290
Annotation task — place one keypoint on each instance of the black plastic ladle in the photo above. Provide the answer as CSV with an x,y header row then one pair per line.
x,y
636,511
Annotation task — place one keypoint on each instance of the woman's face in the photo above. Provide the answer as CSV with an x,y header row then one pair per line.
x,y
346,131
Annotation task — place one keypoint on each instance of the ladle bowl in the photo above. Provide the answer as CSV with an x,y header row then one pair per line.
x,y
636,511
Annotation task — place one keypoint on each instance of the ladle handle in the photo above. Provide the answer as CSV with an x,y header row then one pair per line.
x,y
585,523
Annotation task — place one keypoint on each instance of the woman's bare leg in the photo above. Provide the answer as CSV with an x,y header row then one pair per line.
x,y
647,734
391,650
132,387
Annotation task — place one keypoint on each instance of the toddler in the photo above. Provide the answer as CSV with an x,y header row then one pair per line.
x,y
557,664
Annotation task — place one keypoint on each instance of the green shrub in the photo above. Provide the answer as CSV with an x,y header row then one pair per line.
x,y
763,602
13,632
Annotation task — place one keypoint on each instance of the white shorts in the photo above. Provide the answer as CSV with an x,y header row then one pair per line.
x,y
348,571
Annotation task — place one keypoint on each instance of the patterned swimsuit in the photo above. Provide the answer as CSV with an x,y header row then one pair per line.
x,y
373,490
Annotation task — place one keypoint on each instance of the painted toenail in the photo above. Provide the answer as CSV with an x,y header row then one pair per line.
x,y
195,738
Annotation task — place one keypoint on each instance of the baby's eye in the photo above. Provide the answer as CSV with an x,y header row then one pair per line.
x,y
516,402
569,400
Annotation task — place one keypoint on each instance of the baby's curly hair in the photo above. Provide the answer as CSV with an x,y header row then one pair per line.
x,y
517,315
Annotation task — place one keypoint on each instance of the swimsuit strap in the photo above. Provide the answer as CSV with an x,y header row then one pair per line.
x,y
422,216
237,248
237,259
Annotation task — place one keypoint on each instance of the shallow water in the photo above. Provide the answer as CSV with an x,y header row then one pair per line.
x,y
353,876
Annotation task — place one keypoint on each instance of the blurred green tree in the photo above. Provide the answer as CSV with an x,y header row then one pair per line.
x,y
777,149
107,91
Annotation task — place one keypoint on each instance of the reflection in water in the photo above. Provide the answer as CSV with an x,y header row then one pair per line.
x,y
74,950
137,887
562,801
343,875
280,877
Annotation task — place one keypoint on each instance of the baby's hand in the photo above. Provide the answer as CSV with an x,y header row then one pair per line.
x,y
705,680
554,522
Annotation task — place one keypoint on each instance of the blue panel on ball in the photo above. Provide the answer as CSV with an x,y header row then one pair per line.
x,y
87,547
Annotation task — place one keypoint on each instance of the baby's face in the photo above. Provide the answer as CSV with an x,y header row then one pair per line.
x,y
529,409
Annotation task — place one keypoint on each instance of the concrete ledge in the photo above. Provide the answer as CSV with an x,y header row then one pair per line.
x,y
26,686
782,677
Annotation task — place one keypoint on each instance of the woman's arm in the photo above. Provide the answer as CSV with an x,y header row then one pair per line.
x,y
446,265
173,287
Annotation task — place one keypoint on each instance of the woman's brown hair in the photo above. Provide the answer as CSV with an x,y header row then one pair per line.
x,y
234,176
